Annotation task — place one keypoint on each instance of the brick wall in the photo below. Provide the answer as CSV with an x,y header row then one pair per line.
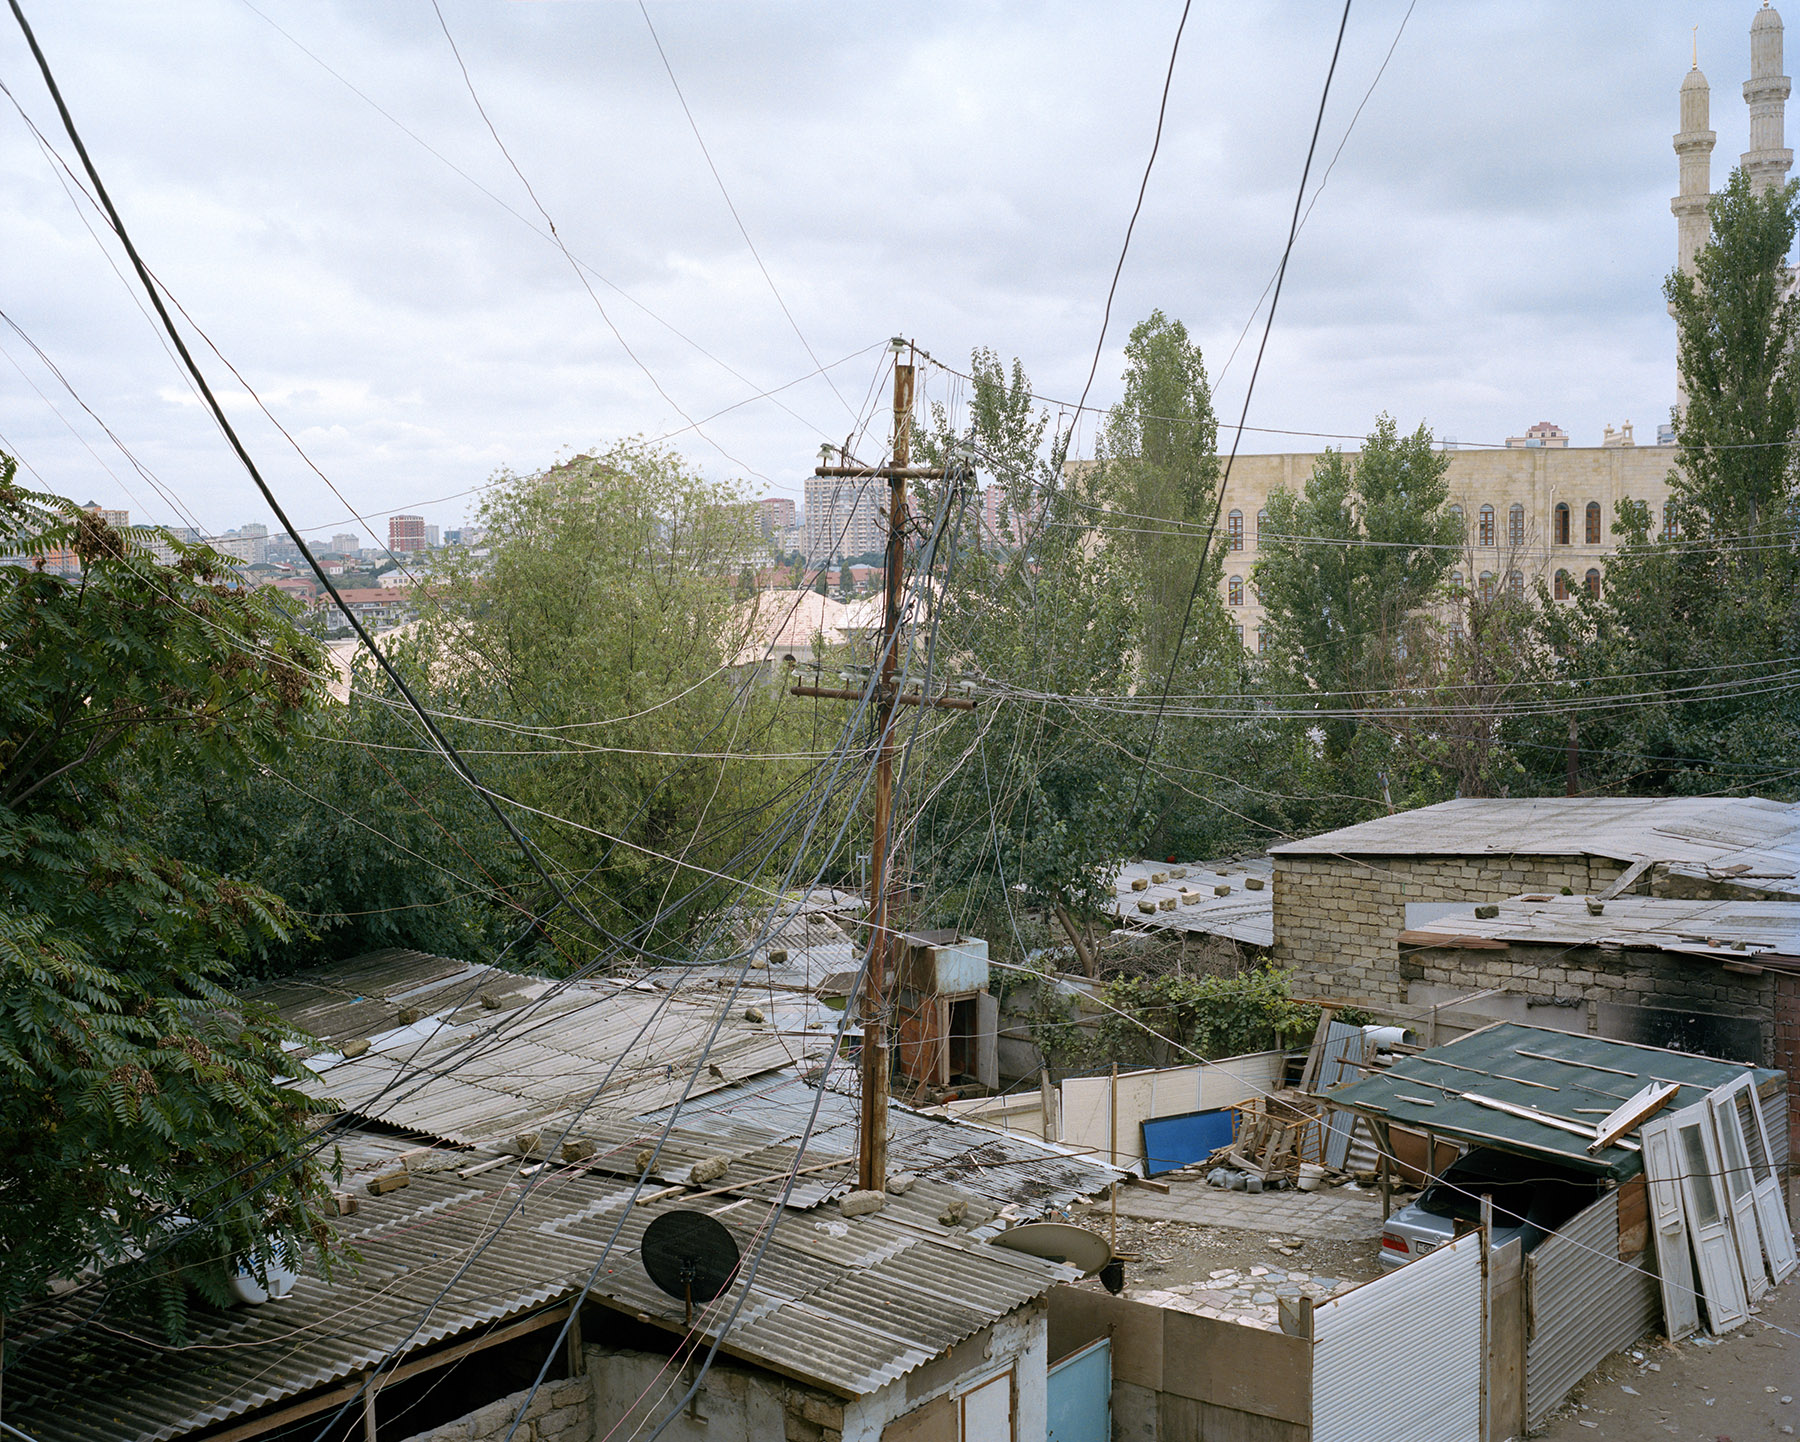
x,y
1336,918
561,1412
1713,1006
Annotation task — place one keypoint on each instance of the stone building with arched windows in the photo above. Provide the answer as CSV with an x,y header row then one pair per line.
x,y
1537,511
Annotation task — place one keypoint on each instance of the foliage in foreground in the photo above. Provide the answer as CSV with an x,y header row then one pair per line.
x,y
141,1111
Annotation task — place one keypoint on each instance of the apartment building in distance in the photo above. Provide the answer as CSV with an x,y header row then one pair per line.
x,y
406,534
843,517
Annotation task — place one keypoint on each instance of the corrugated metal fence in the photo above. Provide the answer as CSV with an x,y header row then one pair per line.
x,y
1401,1357
1582,1304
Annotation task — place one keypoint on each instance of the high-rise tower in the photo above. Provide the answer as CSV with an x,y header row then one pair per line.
x,y
1694,147
1766,162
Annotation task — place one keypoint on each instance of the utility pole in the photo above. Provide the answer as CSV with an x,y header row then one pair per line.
x,y
872,1152
873,1109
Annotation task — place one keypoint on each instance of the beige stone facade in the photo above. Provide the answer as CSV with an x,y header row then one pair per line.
x,y
1337,918
1537,480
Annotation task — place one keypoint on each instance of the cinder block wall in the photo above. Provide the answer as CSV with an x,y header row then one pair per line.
x,y
561,1412
1628,978
1336,917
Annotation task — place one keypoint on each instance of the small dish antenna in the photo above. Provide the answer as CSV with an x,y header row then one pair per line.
x,y
1074,1246
691,1256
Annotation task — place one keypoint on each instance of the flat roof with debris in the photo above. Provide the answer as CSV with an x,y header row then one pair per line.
x,y
1723,931
1186,898
1745,837
845,1303
1564,1080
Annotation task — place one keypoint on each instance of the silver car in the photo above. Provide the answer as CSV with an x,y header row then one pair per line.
x,y
1532,1197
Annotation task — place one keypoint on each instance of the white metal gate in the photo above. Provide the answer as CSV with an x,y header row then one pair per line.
x,y
1402,1356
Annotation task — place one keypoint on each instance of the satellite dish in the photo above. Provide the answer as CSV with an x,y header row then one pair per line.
x,y
690,1256
1086,1251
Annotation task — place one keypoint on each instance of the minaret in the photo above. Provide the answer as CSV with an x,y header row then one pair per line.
x,y
1766,162
1694,147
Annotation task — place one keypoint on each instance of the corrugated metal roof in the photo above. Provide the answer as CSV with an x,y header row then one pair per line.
x,y
1574,1078
848,1303
1719,930
1001,1170
1186,899
482,1077
1717,832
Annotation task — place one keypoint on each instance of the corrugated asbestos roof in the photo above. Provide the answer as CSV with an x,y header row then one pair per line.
x,y
1713,832
847,1303
1576,1078
1001,1171
1186,898
1716,930
440,1063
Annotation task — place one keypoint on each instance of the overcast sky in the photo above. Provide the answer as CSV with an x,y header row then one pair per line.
x,y
1488,251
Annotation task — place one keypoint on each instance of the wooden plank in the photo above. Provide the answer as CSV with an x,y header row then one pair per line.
x,y
1506,1341
1182,1419
1448,942
1079,1316
1542,1118
1631,1112
1241,1368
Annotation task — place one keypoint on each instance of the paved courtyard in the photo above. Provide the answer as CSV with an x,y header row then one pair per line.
x,y
1332,1212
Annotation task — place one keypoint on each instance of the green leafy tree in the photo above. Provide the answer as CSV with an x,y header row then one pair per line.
x,y
1027,805
1345,565
603,641
1715,581
141,1106
1159,466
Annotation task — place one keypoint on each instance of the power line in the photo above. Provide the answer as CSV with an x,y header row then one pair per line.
x,y
575,265
755,255
1249,391
524,220
1324,179
1130,225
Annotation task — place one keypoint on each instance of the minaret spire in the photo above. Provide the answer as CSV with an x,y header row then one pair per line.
x,y
1694,147
1767,161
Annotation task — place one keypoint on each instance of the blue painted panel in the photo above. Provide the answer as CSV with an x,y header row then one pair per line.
x,y
1171,1142
1080,1395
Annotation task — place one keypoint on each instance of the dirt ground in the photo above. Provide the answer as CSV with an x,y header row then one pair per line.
x,y
1228,1273
1742,1387
1174,1253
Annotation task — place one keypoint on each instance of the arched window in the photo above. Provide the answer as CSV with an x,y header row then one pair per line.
x,y
1562,523
1515,585
1515,526
1485,527
1462,526
1593,583
1487,585
1669,529
1593,523
1562,585
1234,591
1456,580
1234,530
1262,519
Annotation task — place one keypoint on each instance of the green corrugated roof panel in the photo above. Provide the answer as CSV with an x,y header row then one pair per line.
x,y
1576,1078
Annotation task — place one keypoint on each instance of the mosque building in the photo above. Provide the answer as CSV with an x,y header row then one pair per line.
x,y
1539,507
